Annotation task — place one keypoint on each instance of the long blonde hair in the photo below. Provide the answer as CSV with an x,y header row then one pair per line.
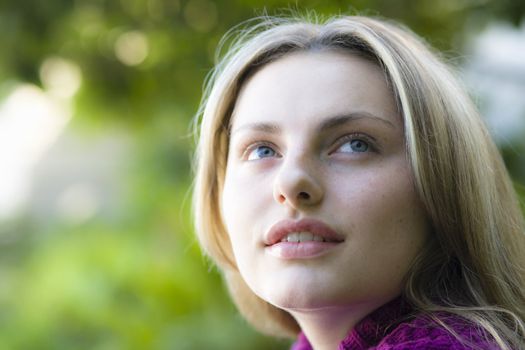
x,y
474,265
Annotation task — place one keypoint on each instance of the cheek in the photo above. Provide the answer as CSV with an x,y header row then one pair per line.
x,y
243,205
244,211
386,191
232,212
246,193
387,216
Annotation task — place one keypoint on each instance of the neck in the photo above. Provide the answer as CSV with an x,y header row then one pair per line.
x,y
325,328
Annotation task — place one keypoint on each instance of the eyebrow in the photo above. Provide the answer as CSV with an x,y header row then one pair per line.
x,y
327,124
258,126
340,120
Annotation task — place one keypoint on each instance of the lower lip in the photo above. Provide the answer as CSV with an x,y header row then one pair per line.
x,y
303,250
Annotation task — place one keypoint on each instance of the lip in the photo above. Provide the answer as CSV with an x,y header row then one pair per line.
x,y
282,228
301,250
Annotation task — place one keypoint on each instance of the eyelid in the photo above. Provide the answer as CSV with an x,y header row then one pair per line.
x,y
251,146
372,143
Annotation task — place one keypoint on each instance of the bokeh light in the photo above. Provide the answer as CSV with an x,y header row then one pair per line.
x,y
131,48
61,78
30,120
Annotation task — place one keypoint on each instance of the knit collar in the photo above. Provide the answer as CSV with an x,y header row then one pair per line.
x,y
370,330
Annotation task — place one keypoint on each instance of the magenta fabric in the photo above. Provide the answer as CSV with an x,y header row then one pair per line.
x,y
392,328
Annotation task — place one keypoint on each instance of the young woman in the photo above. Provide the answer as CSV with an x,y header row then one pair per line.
x,y
351,194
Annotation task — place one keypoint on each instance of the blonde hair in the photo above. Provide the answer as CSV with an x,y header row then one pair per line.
x,y
474,265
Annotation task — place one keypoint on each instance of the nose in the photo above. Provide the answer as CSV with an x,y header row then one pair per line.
x,y
297,184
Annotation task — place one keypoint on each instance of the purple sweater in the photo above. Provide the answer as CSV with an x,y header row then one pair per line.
x,y
389,328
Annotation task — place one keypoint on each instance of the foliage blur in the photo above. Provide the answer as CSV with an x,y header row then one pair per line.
x,y
101,254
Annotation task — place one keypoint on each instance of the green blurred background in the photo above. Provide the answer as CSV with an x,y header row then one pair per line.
x,y
96,97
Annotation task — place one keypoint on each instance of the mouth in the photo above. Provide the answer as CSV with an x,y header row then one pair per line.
x,y
305,230
301,237
304,239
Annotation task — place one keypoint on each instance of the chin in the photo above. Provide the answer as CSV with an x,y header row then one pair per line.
x,y
301,298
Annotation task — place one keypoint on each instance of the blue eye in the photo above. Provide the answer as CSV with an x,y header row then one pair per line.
x,y
261,152
354,146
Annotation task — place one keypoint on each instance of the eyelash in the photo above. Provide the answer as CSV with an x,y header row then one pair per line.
x,y
252,147
339,142
356,136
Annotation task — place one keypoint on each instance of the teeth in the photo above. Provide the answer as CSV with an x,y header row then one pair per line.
x,y
306,236
297,237
293,237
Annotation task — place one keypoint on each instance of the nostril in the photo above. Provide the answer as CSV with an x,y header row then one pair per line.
x,y
304,195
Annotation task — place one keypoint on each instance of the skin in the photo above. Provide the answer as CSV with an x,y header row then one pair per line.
x,y
354,176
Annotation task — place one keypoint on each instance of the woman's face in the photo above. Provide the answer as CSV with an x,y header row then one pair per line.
x,y
318,198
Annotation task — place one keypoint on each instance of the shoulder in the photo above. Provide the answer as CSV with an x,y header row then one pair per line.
x,y
423,332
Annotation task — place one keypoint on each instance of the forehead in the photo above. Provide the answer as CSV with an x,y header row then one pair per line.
x,y
308,86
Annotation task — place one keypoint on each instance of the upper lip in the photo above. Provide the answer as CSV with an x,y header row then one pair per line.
x,y
282,228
